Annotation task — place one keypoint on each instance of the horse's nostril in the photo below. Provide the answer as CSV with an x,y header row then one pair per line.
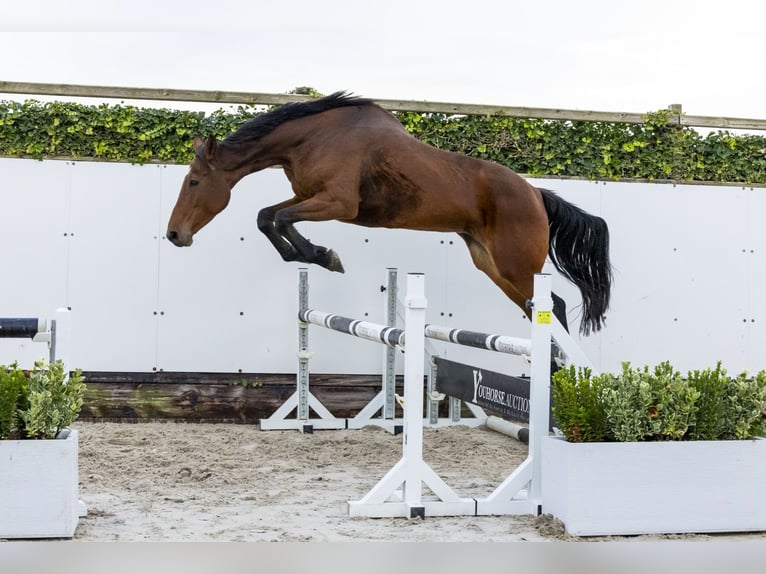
x,y
173,236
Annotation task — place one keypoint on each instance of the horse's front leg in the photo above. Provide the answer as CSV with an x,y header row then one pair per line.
x,y
316,208
267,227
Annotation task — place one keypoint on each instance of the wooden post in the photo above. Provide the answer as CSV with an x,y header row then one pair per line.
x,y
677,111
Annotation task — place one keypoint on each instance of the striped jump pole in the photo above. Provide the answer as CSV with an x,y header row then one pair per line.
x,y
22,328
393,338
499,343
390,336
39,330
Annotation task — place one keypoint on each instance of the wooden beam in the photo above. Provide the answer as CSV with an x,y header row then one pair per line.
x,y
260,98
510,111
214,397
725,123
152,94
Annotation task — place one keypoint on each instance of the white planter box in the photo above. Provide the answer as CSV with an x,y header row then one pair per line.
x,y
38,488
655,487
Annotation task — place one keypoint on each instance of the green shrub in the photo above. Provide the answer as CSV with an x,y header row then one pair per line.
x,y
13,399
744,402
713,385
577,406
38,403
656,149
658,404
628,402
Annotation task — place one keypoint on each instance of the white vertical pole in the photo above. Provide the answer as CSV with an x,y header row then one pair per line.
x,y
540,384
60,337
389,365
303,347
415,313
432,406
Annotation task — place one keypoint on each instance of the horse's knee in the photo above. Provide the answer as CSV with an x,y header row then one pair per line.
x,y
283,221
265,220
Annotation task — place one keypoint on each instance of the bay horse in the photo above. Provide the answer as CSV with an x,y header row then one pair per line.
x,y
350,160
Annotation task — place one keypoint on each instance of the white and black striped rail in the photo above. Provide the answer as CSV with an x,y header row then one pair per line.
x,y
371,331
395,337
22,328
499,343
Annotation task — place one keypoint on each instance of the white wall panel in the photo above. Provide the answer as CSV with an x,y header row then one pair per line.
x,y
677,251
34,243
114,242
226,302
752,276
689,265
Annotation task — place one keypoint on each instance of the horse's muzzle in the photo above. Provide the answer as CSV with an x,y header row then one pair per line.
x,y
178,240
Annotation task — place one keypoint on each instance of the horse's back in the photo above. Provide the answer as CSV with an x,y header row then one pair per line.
x,y
400,181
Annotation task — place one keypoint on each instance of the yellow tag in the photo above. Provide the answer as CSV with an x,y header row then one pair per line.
x,y
544,317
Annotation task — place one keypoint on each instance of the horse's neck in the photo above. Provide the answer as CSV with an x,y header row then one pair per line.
x,y
249,159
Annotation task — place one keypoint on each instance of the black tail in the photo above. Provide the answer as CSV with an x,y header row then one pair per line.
x,y
579,249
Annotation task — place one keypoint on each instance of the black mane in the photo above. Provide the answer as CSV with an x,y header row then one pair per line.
x,y
264,124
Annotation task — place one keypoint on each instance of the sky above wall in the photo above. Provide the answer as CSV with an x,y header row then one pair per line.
x,y
576,54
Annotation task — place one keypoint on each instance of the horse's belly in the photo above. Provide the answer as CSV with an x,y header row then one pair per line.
x,y
387,207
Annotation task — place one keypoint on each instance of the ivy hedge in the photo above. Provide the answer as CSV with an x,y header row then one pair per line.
x,y
654,150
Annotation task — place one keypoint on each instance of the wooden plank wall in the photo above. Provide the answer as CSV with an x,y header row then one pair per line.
x,y
215,397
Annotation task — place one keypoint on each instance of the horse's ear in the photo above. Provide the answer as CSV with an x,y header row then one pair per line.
x,y
210,148
200,148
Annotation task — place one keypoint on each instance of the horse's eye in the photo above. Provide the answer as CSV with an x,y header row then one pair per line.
x,y
193,182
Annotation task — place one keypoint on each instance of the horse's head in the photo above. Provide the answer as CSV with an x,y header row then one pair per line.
x,y
205,192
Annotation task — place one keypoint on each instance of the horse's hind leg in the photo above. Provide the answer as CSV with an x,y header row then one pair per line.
x,y
560,311
484,261
518,288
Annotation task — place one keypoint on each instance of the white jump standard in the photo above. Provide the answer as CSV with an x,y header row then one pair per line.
x,y
302,399
400,491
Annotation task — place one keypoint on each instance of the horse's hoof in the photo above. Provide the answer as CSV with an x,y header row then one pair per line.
x,y
333,262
